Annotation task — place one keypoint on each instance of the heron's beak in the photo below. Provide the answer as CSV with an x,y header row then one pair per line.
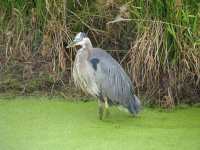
x,y
72,44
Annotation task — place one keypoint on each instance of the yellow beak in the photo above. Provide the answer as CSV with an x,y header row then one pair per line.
x,y
72,44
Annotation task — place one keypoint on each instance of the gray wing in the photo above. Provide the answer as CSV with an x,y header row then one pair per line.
x,y
111,79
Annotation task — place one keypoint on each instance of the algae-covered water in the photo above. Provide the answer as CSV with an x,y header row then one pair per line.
x,y
37,123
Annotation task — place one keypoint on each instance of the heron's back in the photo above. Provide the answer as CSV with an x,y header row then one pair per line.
x,y
111,78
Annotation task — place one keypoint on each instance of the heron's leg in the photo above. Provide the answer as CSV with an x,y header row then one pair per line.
x,y
106,107
101,108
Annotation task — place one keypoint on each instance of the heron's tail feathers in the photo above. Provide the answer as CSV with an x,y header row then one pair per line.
x,y
134,105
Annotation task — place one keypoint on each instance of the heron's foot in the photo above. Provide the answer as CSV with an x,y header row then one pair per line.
x,y
136,115
100,113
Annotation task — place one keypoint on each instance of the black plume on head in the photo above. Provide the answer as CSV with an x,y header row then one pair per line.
x,y
83,34
80,36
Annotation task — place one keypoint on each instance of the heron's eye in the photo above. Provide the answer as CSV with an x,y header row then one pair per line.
x,y
77,39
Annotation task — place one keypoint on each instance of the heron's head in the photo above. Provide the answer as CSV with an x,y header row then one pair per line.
x,y
80,39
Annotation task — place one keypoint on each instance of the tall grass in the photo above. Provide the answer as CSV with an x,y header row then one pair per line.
x,y
157,41
164,59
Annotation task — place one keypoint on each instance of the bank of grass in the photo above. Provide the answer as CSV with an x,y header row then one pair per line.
x,y
156,41
38,123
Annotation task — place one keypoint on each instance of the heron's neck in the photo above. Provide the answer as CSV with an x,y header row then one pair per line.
x,y
88,47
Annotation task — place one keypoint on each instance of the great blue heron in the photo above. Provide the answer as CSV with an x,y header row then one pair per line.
x,y
98,73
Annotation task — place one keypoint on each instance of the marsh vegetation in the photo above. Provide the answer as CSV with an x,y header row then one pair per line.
x,y
156,41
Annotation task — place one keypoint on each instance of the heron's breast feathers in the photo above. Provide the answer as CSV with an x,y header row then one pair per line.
x,y
84,76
